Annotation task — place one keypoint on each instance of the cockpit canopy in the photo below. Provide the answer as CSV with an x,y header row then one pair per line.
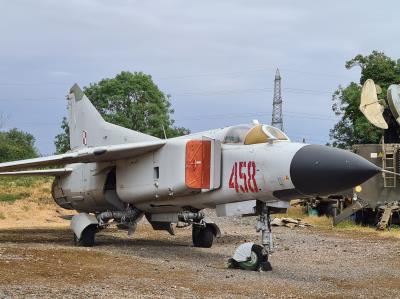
x,y
253,134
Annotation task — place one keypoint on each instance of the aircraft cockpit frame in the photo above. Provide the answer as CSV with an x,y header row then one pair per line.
x,y
249,134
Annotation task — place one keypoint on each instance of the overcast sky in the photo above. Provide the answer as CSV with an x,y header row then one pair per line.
x,y
217,59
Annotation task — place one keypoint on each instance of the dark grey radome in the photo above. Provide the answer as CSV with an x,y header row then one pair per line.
x,y
323,170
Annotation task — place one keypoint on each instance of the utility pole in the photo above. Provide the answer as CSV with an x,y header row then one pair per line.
x,y
277,120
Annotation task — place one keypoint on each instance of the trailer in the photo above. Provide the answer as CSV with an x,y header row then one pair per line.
x,y
376,201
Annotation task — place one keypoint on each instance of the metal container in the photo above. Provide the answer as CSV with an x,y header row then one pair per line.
x,y
382,188
376,201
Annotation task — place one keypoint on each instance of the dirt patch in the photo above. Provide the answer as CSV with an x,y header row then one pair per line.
x,y
38,260
307,263
30,206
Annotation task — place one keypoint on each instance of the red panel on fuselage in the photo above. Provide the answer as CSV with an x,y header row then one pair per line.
x,y
198,159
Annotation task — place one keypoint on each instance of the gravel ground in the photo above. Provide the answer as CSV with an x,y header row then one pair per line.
x,y
307,263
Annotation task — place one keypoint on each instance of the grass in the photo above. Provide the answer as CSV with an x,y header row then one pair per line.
x,y
11,197
345,226
23,181
298,213
32,188
2,216
348,224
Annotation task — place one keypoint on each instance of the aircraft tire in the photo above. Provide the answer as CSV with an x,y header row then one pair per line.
x,y
87,237
202,236
256,261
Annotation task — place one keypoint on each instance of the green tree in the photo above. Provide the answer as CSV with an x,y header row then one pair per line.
x,y
131,100
16,145
353,127
62,140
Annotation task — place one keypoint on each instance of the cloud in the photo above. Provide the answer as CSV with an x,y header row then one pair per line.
x,y
187,46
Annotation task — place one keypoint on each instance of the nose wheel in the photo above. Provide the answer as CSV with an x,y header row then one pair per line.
x,y
250,256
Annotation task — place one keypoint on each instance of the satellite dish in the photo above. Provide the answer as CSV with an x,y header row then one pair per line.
x,y
370,106
393,96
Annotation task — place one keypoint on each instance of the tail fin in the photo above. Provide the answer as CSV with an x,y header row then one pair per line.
x,y
87,127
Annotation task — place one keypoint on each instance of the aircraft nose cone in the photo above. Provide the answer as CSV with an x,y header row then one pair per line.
x,y
323,170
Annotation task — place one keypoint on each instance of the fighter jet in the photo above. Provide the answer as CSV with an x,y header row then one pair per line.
x,y
115,176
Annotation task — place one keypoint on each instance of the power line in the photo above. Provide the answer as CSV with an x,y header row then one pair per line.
x,y
30,83
218,116
221,92
225,115
215,93
269,70
184,76
260,114
317,74
30,99
226,92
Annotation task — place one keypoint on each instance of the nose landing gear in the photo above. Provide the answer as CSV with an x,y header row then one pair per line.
x,y
250,256
264,226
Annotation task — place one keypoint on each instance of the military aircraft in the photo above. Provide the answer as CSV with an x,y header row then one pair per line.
x,y
114,175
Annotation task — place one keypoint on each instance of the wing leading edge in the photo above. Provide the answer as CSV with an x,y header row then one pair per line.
x,y
85,155
41,172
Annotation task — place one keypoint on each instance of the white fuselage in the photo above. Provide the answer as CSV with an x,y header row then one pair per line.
x,y
269,171
157,182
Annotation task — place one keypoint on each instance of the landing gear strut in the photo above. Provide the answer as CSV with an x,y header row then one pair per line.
x,y
250,256
264,226
85,226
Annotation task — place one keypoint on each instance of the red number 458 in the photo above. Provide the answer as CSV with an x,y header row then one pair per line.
x,y
243,178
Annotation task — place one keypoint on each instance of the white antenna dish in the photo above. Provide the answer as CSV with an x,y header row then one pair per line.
x,y
370,106
393,96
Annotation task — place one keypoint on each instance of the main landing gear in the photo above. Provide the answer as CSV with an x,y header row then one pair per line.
x,y
87,237
202,236
85,226
250,256
203,230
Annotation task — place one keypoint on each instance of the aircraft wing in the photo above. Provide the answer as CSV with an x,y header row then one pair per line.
x,y
41,172
86,155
